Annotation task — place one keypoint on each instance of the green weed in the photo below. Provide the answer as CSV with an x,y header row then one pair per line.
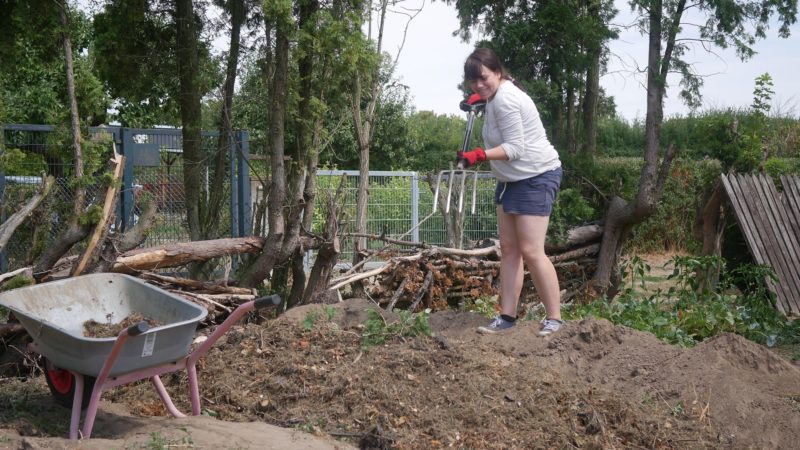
x,y
313,315
377,330
695,309
485,306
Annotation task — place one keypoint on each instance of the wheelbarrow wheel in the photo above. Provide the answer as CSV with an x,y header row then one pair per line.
x,y
62,385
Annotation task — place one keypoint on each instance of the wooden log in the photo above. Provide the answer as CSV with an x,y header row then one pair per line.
x,y
397,294
214,288
101,229
576,237
426,284
179,254
9,226
575,254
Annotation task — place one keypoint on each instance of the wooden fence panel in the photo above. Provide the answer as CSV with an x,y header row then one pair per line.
x,y
769,222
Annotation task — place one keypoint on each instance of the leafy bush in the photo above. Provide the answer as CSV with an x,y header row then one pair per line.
x,y
694,310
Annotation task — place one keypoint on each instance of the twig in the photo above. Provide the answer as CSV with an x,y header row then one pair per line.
x,y
361,276
397,293
201,298
14,273
422,291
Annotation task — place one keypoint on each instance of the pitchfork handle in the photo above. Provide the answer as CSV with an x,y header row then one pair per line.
x,y
269,300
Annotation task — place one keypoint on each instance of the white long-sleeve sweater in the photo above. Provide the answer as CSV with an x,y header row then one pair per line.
x,y
512,121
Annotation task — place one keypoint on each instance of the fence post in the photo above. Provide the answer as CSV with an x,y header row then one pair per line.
x,y
3,256
415,206
243,182
234,194
126,148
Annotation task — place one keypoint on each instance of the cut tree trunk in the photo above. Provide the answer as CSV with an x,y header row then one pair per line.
x,y
173,255
101,229
16,219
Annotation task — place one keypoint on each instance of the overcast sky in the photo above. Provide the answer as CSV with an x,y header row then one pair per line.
x,y
432,59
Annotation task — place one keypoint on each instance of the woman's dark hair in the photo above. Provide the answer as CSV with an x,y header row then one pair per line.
x,y
485,57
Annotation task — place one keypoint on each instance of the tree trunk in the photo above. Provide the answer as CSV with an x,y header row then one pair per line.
x,y
570,129
592,94
713,226
75,230
622,216
256,272
328,253
216,192
188,74
75,125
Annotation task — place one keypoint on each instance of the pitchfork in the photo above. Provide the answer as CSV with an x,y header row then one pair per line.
x,y
459,174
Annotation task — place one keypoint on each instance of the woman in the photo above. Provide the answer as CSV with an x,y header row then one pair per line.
x,y
528,173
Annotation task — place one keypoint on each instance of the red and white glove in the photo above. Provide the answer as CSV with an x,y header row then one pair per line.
x,y
472,157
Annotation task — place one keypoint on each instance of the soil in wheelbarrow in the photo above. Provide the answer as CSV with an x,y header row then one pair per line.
x,y
591,385
95,329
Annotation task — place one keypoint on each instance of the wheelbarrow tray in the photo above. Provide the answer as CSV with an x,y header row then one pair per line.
x,y
54,314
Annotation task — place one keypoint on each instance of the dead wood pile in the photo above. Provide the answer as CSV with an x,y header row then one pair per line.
x,y
444,278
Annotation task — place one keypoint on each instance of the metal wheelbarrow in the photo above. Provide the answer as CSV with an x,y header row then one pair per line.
x,y
78,369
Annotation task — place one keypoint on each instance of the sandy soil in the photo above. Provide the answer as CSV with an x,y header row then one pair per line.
x,y
592,385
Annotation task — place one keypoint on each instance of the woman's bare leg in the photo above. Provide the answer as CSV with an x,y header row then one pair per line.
x,y
531,232
511,273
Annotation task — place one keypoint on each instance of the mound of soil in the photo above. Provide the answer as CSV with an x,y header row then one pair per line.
x,y
591,385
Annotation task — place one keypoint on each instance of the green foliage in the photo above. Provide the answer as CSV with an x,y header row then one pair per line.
x,y
14,161
32,81
17,282
570,209
762,94
312,316
693,310
485,306
618,137
435,138
377,330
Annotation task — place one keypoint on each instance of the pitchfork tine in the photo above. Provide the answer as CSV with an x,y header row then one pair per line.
x,y
461,191
449,189
436,193
474,191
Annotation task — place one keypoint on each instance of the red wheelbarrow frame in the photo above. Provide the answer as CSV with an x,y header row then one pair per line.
x,y
104,383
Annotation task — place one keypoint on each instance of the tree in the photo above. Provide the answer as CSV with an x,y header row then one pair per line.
x,y
556,49
368,85
307,82
732,23
77,226
32,83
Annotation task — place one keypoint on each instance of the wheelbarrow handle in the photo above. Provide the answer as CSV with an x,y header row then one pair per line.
x,y
139,328
267,301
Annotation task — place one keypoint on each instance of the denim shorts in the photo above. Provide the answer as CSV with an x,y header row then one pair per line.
x,y
532,196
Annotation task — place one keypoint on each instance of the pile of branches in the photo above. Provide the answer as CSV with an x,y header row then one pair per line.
x,y
445,278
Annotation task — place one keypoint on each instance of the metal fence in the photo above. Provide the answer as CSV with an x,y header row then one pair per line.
x,y
153,168
400,203
400,206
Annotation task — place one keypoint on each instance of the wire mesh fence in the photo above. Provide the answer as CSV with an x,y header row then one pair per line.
x,y
400,206
153,173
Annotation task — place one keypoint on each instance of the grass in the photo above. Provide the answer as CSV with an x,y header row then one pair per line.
x,y
28,406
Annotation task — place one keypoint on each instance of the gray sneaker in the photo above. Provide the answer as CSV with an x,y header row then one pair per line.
x,y
498,325
550,326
